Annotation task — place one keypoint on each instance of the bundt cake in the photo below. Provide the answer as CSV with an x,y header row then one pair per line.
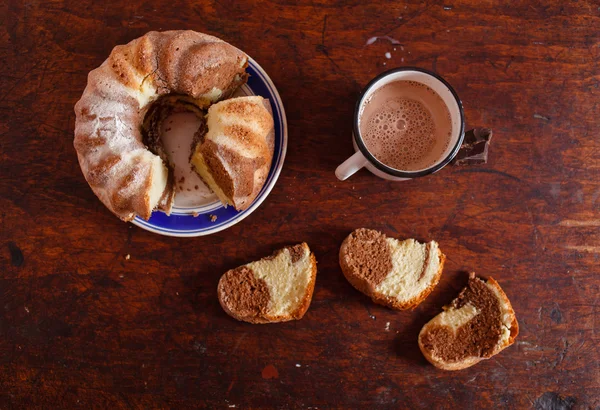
x,y
121,160
233,152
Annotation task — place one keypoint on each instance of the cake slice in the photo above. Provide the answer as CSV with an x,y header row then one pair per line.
x,y
233,151
394,273
477,325
277,288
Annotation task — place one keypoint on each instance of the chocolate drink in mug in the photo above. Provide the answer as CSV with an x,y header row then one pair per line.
x,y
406,125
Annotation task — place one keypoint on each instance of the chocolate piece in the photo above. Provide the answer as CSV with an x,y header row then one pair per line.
x,y
474,149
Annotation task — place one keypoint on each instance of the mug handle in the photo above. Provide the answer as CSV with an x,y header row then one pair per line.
x,y
350,166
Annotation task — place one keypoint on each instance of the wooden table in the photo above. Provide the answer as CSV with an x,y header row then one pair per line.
x,y
81,325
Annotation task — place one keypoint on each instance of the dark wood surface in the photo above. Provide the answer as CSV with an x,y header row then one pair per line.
x,y
82,326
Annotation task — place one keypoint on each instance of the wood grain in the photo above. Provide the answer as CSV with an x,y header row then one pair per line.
x,y
82,326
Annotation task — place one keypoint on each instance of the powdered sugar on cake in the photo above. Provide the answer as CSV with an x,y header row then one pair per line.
x,y
127,176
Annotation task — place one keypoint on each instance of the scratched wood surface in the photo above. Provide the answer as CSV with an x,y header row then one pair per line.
x,y
80,325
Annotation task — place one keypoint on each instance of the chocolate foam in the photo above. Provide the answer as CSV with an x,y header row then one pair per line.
x,y
406,125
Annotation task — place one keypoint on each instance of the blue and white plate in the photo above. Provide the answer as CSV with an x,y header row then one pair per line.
x,y
197,211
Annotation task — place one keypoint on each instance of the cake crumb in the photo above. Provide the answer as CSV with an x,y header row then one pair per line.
x,y
127,257
213,218
195,214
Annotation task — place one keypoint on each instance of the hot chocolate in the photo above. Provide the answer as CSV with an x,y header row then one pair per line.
x,y
406,125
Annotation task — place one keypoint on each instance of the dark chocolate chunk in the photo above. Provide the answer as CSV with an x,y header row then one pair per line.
x,y
474,149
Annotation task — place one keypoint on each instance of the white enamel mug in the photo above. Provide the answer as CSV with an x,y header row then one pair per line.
x,y
363,158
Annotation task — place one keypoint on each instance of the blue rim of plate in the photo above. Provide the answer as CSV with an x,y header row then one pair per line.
x,y
182,222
